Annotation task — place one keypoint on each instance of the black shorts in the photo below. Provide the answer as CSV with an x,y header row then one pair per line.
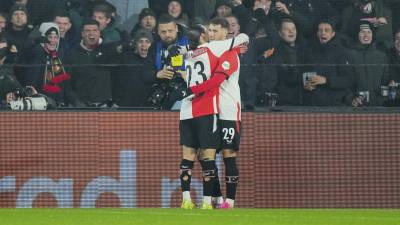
x,y
201,132
230,134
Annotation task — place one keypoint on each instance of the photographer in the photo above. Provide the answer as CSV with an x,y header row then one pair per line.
x,y
166,75
12,94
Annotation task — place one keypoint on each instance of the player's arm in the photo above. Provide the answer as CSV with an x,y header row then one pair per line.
x,y
219,47
228,64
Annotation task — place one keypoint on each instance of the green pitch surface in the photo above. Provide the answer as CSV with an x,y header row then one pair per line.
x,y
197,216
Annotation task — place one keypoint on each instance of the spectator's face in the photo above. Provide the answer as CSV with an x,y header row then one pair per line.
x,y
102,19
3,23
288,32
90,35
325,33
19,19
365,36
148,22
142,47
174,9
224,11
168,33
217,32
397,41
234,27
53,41
64,24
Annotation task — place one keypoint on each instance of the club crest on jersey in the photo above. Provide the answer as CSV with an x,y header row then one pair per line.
x,y
226,65
198,52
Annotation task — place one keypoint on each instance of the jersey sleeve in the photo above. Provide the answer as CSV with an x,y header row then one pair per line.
x,y
219,47
228,64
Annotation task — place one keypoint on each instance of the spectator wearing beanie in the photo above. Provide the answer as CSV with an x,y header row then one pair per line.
x,y
369,79
147,20
175,9
17,34
373,11
131,87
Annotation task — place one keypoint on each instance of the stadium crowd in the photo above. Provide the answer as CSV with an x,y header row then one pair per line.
x,y
301,52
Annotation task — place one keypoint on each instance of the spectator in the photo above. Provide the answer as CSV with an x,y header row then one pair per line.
x,y
305,13
369,78
267,17
3,22
49,75
102,14
287,57
130,86
224,8
8,82
376,13
332,78
394,68
147,20
17,35
69,35
39,10
175,10
89,79
249,73
169,35
394,59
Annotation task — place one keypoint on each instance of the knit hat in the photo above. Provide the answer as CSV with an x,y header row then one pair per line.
x,y
146,12
18,7
142,33
223,2
47,28
366,25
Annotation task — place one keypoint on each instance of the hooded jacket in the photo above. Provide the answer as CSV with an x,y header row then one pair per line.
x,y
48,75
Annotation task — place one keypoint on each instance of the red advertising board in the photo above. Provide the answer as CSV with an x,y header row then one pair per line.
x,y
131,159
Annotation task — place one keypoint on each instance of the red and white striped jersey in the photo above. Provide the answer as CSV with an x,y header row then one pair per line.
x,y
229,91
201,65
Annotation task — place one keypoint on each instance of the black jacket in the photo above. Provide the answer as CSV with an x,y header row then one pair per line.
x,y
370,77
332,61
130,86
90,75
287,60
8,82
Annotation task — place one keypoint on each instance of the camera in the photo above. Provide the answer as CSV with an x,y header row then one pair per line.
x,y
27,99
30,103
24,92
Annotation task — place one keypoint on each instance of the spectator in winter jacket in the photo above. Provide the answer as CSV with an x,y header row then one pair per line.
x,y
371,68
69,34
329,78
49,76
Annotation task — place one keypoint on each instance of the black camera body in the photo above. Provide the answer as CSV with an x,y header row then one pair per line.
x,y
23,92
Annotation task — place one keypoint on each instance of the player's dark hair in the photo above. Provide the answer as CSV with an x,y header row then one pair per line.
x,y
220,21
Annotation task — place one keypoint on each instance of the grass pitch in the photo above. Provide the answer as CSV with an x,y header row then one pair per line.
x,y
150,216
